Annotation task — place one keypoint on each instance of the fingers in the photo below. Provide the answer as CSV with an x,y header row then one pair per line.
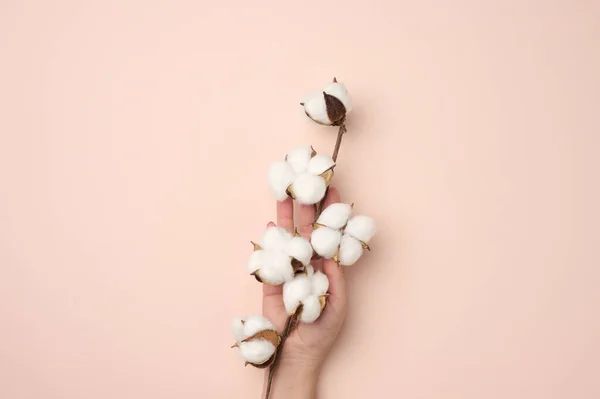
x,y
285,214
306,218
337,283
333,197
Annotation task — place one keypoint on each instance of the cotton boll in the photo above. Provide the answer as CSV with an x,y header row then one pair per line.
x,y
280,176
340,92
275,239
311,310
316,109
298,158
361,227
257,351
256,261
300,248
295,291
277,268
237,329
335,215
256,324
309,189
319,164
325,241
350,250
320,284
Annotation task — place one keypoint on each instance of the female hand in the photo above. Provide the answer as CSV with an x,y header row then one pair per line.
x,y
306,348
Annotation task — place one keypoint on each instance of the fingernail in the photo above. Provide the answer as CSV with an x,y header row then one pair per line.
x,y
270,224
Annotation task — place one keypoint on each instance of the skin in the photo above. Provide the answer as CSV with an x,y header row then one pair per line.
x,y
306,349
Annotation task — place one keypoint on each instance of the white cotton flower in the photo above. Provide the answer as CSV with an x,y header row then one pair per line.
x,y
308,188
329,106
340,237
311,310
350,250
277,268
273,260
281,175
256,339
320,283
319,164
275,239
305,289
361,227
299,248
316,109
335,216
304,175
295,291
325,241
298,158
257,352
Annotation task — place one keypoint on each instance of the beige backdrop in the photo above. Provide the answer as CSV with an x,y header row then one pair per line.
x,y
135,137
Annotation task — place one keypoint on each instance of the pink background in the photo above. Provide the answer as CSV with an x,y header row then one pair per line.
x,y
135,137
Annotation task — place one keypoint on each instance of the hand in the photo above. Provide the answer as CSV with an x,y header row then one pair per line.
x,y
306,348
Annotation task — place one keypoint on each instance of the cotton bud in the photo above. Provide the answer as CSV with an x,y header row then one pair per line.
x,y
306,294
330,106
304,176
279,256
256,339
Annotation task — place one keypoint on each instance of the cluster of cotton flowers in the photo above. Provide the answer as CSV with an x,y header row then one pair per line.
x,y
340,237
304,175
330,106
278,256
306,295
257,340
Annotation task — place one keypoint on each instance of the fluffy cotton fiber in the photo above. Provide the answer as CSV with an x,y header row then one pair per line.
x,y
309,289
325,241
335,215
308,188
341,237
271,262
361,227
302,175
350,251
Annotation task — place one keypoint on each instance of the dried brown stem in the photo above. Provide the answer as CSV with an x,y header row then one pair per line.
x,y
290,323
336,151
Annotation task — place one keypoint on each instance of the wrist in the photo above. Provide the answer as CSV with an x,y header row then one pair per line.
x,y
294,381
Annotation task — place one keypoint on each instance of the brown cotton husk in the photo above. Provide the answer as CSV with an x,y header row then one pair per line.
x,y
327,175
365,246
323,301
256,246
336,111
290,191
316,226
313,152
297,265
